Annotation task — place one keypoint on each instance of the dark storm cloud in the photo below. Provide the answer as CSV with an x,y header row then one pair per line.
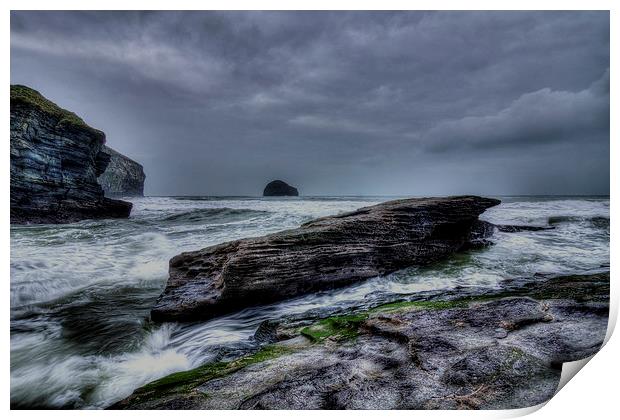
x,y
336,103
535,118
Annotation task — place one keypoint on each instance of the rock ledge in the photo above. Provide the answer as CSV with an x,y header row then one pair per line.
x,y
497,350
322,254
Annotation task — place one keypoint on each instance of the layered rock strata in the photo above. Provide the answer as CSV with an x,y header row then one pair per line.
x,y
123,177
322,254
55,161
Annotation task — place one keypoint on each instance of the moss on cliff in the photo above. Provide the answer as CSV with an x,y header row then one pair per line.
x,y
23,95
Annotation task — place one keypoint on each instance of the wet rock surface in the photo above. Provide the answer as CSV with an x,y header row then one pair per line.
x,y
55,161
123,177
497,350
322,254
279,188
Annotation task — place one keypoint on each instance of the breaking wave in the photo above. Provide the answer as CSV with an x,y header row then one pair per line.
x,y
81,293
214,215
596,221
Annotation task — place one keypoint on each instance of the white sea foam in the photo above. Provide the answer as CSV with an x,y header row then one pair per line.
x,y
80,293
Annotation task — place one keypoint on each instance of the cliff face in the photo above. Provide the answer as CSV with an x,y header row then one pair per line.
x,y
122,177
55,161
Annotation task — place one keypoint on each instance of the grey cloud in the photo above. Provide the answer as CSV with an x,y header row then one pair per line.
x,y
535,118
338,102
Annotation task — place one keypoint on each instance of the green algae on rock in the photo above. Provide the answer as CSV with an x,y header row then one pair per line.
x,y
475,352
337,327
185,381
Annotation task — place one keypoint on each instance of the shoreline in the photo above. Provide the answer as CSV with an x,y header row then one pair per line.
x,y
162,228
533,319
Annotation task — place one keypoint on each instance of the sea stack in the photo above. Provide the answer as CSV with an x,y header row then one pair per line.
x,y
279,188
55,161
322,254
123,177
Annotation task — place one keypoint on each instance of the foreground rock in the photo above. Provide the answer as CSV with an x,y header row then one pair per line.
x,y
492,351
322,254
123,177
279,188
55,161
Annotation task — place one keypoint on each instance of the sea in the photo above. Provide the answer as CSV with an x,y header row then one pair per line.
x,y
81,293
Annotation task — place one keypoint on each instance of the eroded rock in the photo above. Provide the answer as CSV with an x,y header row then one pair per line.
x,y
322,254
55,161
123,177
411,355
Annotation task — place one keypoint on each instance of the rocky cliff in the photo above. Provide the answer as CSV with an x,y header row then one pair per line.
x,y
55,161
322,254
122,177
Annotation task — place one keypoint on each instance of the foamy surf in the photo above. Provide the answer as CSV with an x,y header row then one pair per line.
x,y
81,293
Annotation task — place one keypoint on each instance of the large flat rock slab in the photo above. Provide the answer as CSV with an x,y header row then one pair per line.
x,y
498,350
323,254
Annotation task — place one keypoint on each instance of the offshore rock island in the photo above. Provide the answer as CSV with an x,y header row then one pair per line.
x,y
279,188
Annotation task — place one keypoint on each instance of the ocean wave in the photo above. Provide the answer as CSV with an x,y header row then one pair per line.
x,y
213,215
597,221
210,197
81,293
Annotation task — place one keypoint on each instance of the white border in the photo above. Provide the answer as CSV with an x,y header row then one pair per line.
x,y
593,394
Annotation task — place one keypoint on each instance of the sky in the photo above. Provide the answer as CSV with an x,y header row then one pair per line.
x,y
335,103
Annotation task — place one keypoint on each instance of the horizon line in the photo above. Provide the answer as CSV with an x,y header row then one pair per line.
x,y
377,195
